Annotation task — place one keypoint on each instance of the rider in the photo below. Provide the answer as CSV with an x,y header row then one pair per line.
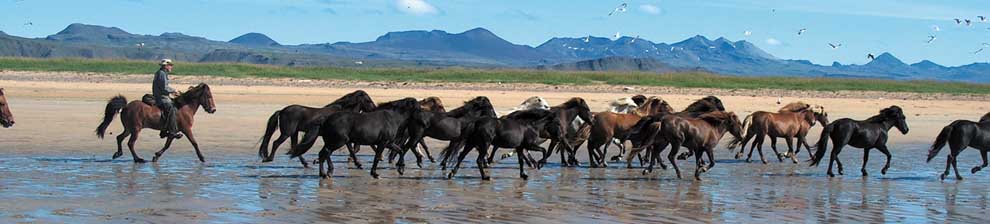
x,y
162,93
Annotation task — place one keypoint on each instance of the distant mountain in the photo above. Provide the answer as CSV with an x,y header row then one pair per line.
x,y
473,48
614,64
255,40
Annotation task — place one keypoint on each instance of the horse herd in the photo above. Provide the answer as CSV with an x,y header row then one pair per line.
x,y
650,124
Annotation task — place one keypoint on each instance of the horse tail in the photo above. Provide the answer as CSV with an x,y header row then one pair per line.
x,y
308,141
114,106
822,144
943,137
269,131
582,135
740,141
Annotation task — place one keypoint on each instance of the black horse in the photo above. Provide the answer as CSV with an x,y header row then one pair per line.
x,y
520,130
378,128
295,118
565,114
868,134
961,134
451,126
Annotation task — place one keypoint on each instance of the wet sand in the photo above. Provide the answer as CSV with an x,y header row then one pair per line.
x,y
53,169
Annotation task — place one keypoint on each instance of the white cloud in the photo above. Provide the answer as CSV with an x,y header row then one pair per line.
x,y
773,41
649,8
415,7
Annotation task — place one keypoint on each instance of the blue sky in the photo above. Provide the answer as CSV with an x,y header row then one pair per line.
x,y
901,27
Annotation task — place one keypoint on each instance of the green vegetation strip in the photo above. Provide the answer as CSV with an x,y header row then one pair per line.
x,y
682,79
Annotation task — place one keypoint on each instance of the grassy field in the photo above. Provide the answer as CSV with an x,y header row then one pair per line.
x,y
684,79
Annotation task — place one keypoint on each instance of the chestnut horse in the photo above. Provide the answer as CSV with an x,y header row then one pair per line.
x,y
868,134
6,118
138,115
296,118
699,135
791,121
961,134
608,125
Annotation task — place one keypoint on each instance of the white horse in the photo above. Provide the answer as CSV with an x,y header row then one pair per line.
x,y
622,105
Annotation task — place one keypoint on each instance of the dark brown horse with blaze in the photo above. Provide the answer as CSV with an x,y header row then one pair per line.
x,y
791,121
138,115
6,117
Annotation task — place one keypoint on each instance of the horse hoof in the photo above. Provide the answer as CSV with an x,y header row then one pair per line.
x,y
738,155
266,160
486,178
645,172
865,174
154,159
375,176
883,171
117,155
450,175
420,165
941,177
976,169
831,175
139,160
747,160
616,158
764,162
524,176
958,177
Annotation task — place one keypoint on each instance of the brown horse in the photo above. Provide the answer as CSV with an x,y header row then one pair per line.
x,y
791,121
138,115
293,119
699,135
6,118
608,125
647,125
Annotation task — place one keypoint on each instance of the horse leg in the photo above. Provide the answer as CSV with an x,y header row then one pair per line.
x,y
278,142
759,148
457,165
604,152
491,155
773,146
742,147
790,149
649,169
758,142
838,162
130,145
120,142
522,170
699,166
803,141
482,151
378,157
866,158
192,140
426,149
983,154
948,164
401,165
168,143
353,154
711,158
883,149
955,165
674,147
622,149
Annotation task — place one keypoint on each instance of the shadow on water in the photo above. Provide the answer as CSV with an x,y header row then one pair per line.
x,y
89,160
296,176
910,178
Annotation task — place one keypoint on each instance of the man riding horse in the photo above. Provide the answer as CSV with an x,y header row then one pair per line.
x,y
163,100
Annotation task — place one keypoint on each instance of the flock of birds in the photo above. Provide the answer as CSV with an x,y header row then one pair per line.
x,y
833,45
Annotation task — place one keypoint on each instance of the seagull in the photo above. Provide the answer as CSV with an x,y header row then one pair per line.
x,y
983,19
747,33
985,45
359,62
969,22
957,21
620,9
139,45
587,39
978,51
931,39
779,99
834,46
936,28
634,39
617,35
801,31
28,23
871,57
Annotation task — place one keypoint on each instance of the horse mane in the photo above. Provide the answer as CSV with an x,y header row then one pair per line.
x,y
572,103
716,117
795,107
531,114
984,118
191,94
478,103
707,104
882,116
349,99
436,105
407,103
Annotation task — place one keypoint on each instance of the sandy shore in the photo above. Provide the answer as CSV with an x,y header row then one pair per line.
x,y
54,169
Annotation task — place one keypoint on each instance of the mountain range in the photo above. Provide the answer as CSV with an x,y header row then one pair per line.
x,y
473,48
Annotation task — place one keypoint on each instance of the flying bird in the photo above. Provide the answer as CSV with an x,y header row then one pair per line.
x,y
969,22
801,31
834,46
957,21
978,51
620,9
871,57
931,39
747,33
587,39
634,39
936,28
982,18
617,36
28,23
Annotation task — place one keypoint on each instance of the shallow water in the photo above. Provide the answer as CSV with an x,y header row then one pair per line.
x,y
91,188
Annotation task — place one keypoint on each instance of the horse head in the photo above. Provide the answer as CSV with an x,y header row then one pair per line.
x,y
6,117
432,104
639,99
198,94
896,114
985,118
533,103
357,101
581,106
727,121
622,105
820,115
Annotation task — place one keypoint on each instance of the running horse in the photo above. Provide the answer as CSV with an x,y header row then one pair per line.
x,y
868,134
699,134
791,121
138,115
6,117
298,118
961,134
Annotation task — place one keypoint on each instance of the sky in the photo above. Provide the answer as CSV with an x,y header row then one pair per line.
x,y
900,27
